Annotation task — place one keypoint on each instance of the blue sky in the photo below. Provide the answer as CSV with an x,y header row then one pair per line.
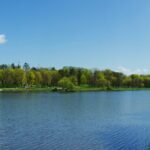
x,y
100,34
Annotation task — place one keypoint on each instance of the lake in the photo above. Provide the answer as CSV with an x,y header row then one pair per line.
x,y
75,121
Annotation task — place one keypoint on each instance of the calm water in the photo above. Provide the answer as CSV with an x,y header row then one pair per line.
x,y
75,121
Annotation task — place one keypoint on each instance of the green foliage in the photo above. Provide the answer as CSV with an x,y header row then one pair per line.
x,y
66,84
73,79
83,79
30,76
68,77
46,77
18,77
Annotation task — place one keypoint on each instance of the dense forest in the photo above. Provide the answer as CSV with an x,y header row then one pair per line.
x,y
12,76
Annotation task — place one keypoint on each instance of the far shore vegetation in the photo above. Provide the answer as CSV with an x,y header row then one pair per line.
x,y
68,79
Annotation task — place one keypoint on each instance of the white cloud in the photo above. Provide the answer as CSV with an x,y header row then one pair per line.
x,y
132,71
2,39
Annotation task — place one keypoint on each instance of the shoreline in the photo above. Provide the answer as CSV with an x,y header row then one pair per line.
x,y
78,89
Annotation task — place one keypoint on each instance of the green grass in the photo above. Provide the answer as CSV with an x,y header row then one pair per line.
x,y
25,89
87,88
83,88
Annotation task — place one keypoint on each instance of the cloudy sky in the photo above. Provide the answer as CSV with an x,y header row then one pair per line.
x,y
93,34
2,39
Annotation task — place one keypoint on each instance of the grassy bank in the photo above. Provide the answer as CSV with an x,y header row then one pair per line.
x,y
25,89
108,89
76,89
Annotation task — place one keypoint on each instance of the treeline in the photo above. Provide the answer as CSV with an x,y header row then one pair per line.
x,y
68,77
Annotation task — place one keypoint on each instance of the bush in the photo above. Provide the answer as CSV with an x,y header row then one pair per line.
x,y
66,84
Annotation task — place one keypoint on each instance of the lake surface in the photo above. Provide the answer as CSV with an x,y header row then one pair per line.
x,y
75,121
